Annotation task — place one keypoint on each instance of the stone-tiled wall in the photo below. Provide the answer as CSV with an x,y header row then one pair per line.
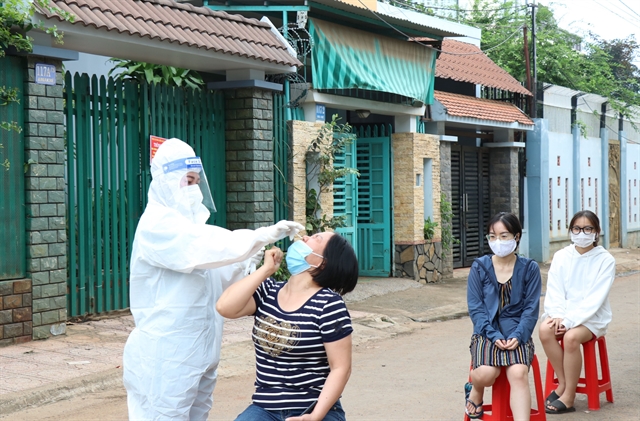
x,y
301,134
420,262
249,156
504,182
445,187
45,201
15,311
415,257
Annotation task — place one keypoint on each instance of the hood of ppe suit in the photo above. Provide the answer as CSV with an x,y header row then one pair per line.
x,y
165,188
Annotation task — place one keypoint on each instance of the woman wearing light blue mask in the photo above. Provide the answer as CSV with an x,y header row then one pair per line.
x,y
503,295
302,329
576,305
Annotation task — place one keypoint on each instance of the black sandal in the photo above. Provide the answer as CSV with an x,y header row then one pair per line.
x,y
553,396
560,408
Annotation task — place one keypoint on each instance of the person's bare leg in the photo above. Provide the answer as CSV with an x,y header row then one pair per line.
x,y
481,377
554,353
573,361
518,376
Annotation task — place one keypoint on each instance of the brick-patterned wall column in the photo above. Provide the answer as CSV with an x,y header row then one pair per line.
x,y
45,200
15,311
504,182
301,134
415,257
249,156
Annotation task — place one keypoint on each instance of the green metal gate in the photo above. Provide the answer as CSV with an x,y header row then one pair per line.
x,y
345,194
374,200
12,214
108,127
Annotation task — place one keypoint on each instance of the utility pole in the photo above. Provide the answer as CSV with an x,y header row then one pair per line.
x,y
534,91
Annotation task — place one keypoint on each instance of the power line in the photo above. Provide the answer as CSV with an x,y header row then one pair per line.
x,y
625,5
455,9
611,11
433,48
410,6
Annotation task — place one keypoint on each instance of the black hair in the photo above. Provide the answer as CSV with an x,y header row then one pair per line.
x,y
593,220
339,268
510,222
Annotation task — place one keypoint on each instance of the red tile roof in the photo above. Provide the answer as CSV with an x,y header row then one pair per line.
x,y
166,20
485,109
474,67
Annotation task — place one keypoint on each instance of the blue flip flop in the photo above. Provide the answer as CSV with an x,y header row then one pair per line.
x,y
476,414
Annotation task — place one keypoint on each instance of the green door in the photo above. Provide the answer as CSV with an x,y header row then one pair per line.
x,y
12,214
374,201
345,190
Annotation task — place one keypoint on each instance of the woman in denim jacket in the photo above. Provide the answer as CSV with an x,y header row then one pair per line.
x,y
503,295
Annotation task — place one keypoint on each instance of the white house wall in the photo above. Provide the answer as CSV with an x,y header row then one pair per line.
x,y
633,186
590,183
560,184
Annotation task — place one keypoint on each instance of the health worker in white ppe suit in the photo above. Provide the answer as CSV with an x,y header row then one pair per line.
x,y
179,268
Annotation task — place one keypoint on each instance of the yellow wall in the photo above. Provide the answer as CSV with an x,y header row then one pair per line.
x,y
302,133
409,151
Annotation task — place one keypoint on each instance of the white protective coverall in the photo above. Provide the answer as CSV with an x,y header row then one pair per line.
x,y
179,268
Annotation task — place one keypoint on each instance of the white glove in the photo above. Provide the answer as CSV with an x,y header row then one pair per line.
x,y
282,229
253,262
289,228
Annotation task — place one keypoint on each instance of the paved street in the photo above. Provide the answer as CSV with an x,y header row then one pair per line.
x,y
403,369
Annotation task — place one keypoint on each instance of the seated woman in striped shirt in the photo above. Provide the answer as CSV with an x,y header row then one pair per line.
x,y
503,295
302,329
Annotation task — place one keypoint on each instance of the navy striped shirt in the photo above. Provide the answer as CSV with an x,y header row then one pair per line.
x,y
291,361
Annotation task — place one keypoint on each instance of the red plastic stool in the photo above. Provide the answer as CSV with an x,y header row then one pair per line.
x,y
500,409
590,384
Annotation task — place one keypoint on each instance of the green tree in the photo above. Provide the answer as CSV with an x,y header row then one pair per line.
x,y
15,23
586,64
331,140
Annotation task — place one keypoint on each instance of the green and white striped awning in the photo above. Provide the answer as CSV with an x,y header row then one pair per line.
x,y
345,58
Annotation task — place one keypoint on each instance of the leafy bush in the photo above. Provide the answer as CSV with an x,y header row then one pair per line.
x,y
429,228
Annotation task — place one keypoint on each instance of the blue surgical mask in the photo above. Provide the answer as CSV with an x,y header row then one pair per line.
x,y
297,257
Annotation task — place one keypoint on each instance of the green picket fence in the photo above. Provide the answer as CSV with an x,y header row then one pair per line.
x,y
108,126
12,178
281,161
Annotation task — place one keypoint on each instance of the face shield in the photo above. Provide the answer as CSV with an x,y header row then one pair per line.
x,y
194,182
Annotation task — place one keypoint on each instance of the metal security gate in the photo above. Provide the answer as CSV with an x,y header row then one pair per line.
x,y
12,212
373,157
108,126
470,203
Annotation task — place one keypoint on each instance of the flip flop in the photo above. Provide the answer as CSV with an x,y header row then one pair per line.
x,y
553,396
476,414
561,408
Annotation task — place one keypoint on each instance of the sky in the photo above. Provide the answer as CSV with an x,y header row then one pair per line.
x,y
610,19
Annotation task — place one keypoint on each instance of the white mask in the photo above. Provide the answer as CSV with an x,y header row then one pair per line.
x,y
503,248
194,194
583,240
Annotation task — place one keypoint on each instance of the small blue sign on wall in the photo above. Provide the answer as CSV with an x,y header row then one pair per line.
x,y
45,74
321,112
